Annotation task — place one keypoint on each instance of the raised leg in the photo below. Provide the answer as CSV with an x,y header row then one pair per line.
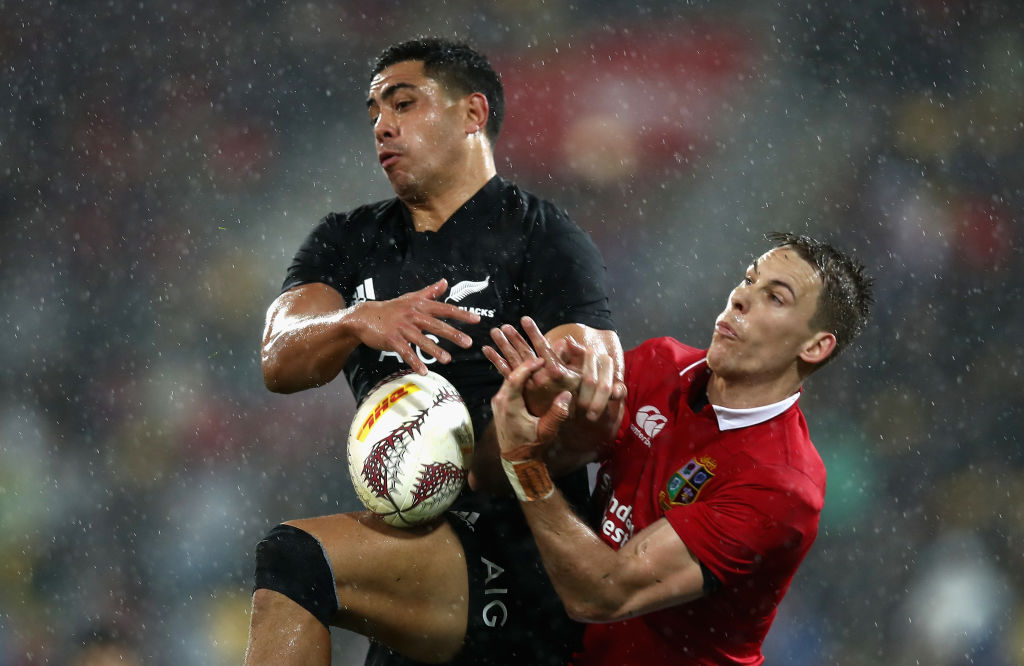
x,y
405,588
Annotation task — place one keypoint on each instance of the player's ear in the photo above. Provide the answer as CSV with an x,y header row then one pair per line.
x,y
819,347
477,112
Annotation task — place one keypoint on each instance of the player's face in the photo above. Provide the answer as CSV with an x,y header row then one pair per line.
x,y
417,130
766,321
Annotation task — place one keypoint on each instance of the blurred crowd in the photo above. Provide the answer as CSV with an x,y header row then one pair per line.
x,y
162,161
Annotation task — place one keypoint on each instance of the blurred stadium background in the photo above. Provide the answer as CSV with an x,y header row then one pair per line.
x,y
161,162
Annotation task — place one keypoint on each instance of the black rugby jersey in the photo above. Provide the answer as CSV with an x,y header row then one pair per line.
x,y
505,253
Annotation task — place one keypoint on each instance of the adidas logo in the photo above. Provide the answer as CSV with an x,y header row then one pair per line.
x,y
468,517
364,292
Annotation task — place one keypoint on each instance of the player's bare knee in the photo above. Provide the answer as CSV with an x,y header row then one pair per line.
x,y
292,562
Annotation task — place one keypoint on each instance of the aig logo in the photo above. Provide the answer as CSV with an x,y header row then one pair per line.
x,y
650,420
495,613
424,356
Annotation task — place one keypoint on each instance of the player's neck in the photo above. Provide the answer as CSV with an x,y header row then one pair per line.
x,y
748,392
432,211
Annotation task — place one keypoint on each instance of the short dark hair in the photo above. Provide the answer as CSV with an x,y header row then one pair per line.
x,y
459,69
846,295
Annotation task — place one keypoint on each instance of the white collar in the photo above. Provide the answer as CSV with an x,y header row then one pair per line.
x,y
730,418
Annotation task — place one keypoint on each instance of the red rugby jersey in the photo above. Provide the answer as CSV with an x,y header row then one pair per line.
x,y
742,488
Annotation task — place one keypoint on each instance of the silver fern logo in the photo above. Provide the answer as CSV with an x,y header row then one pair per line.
x,y
467,288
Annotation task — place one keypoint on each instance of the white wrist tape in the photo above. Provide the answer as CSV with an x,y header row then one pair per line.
x,y
529,478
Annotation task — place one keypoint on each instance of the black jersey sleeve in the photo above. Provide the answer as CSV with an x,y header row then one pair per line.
x,y
324,256
564,274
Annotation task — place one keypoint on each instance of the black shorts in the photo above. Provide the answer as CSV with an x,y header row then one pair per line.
x,y
515,616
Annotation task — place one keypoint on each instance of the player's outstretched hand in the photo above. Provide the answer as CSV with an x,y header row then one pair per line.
x,y
411,319
511,350
568,366
518,430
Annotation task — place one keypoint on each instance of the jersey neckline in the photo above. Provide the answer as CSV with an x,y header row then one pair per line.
x,y
482,206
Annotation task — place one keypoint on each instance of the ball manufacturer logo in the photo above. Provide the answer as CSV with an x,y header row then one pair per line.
x,y
650,420
383,406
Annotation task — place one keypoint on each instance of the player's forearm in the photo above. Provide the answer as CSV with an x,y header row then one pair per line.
x,y
582,568
303,352
653,570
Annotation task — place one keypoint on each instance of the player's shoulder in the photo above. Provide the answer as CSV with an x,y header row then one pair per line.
x,y
661,365
666,350
783,454
537,210
799,479
366,215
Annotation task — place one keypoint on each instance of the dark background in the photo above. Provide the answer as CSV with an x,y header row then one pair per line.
x,y
162,161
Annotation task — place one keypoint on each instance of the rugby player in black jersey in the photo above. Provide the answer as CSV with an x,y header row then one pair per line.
x,y
419,281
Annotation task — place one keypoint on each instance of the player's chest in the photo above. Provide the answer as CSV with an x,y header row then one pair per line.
x,y
484,288
671,463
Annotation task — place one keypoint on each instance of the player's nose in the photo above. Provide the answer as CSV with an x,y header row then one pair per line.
x,y
385,127
739,299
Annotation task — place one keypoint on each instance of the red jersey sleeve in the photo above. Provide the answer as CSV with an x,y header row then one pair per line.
x,y
761,515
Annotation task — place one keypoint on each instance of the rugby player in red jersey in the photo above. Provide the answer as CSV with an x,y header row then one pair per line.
x,y
709,488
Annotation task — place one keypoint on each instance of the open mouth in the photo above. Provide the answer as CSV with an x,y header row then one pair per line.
x,y
725,329
387,158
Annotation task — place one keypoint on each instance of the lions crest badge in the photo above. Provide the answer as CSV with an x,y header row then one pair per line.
x,y
685,485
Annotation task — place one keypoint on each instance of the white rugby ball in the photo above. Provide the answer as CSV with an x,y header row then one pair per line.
x,y
409,447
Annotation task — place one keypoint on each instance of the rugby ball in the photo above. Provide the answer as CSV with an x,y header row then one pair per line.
x,y
409,447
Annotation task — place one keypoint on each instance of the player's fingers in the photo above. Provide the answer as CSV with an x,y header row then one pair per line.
x,y
408,354
517,378
445,330
517,341
492,355
403,339
588,380
510,396
435,290
541,344
514,424
571,352
603,388
430,348
550,422
439,310
508,351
